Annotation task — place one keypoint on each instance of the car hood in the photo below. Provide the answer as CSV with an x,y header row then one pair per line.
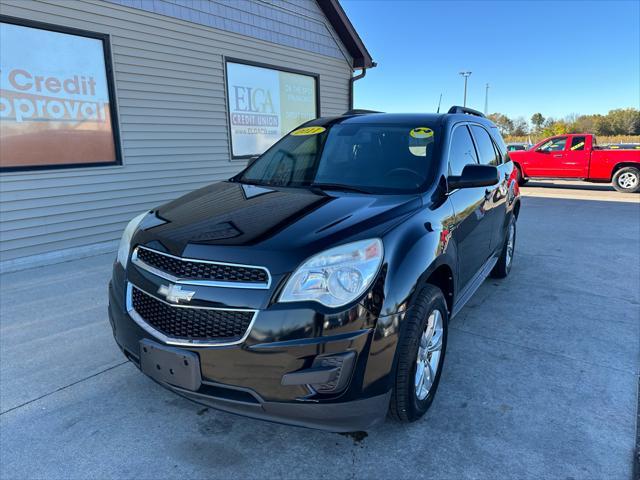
x,y
249,224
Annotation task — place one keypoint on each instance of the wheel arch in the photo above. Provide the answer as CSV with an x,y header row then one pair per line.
x,y
621,165
442,277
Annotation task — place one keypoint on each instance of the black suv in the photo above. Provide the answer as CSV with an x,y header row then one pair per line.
x,y
315,287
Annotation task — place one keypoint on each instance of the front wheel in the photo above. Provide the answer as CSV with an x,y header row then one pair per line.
x,y
421,352
627,180
503,266
519,177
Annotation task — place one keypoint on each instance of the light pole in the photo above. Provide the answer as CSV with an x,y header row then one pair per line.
x,y
486,100
466,76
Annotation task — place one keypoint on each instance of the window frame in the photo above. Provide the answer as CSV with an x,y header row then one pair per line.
x,y
475,149
552,139
498,156
111,91
251,63
584,143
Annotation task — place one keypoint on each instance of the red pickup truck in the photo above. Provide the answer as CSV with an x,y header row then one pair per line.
x,y
578,156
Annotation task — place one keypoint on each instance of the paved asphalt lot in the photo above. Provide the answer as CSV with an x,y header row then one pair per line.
x,y
540,379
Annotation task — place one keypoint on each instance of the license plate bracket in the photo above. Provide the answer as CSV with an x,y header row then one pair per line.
x,y
171,365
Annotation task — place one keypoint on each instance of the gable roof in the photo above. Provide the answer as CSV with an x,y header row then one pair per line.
x,y
347,33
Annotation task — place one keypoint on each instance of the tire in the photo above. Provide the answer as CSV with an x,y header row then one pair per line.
x,y
520,179
503,266
627,180
408,404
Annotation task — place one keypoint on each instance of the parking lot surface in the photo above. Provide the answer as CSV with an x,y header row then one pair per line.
x,y
540,379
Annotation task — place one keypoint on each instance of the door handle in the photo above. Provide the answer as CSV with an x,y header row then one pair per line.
x,y
558,156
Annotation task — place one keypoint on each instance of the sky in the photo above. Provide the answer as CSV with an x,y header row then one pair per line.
x,y
557,58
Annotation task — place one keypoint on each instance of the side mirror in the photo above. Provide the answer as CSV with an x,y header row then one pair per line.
x,y
541,150
474,175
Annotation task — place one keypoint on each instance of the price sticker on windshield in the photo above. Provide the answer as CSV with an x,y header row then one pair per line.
x,y
421,132
308,131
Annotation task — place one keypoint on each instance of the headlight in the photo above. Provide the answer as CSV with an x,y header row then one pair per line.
x,y
337,276
125,241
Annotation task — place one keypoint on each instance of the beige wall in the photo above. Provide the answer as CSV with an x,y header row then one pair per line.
x,y
173,125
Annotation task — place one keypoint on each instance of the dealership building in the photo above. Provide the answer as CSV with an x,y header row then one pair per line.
x,y
111,107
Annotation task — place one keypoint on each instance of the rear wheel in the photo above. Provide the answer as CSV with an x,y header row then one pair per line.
x,y
627,180
503,266
420,356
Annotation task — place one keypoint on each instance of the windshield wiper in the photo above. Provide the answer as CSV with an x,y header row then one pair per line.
x,y
338,186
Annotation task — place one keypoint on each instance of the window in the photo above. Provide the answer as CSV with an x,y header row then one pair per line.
x,y
554,145
577,143
486,150
56,98
265,103
462,151
375,158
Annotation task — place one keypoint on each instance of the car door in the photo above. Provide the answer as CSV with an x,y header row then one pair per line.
x,y
546,160
472,231
577,155
488,154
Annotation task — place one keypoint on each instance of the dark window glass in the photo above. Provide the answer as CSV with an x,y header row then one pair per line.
x,y
376,158
485,146
577,143
554,145
462,151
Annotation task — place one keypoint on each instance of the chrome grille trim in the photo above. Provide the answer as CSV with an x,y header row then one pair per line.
x,y
181,342
204,283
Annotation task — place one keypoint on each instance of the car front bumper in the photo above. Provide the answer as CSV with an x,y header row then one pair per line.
x,y
247,378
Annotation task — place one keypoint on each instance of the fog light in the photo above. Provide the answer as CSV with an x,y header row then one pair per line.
x,y
340,366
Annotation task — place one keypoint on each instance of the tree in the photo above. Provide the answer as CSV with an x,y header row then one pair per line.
x,y
603,125
520,127
537,120
624,121
504,123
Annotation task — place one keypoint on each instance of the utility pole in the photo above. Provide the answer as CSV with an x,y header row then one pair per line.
x,y
466,76
486,100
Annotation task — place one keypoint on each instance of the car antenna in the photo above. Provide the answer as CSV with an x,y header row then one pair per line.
x,y
439,102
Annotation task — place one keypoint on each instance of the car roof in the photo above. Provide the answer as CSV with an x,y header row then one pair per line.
x,y
401,119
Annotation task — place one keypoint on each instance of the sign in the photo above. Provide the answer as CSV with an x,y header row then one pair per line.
x,y
265,104
54,99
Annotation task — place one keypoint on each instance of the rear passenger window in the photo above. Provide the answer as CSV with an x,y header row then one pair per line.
x,y
462,151
486,150
577,143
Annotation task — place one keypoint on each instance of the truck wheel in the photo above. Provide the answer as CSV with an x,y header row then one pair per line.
x,y
503,266
627,180
420,353
521,180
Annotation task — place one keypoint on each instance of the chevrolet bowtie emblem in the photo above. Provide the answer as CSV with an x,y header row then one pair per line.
x,y
175,294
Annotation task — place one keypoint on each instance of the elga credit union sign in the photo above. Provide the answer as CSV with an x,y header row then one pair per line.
x,y
265,104
54,99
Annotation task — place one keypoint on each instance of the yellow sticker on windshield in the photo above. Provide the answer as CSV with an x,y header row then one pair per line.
x,y
308,131
421,132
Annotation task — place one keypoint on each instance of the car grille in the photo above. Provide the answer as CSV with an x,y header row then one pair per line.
x,y
191,324
189,269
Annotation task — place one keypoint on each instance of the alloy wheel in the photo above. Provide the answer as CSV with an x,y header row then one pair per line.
x,y
429,354
628,180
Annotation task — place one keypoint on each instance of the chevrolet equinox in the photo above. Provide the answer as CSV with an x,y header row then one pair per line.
x,y
315,288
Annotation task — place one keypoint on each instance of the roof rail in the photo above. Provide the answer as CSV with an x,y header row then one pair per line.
x,y
468,111
359,111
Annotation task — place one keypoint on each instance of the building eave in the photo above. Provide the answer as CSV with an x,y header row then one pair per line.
x,y
347,33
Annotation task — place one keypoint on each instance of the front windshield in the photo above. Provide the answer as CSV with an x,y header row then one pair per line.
x,y
373,158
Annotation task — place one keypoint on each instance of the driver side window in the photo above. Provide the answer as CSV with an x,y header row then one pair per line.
x,y
462,151
554,145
